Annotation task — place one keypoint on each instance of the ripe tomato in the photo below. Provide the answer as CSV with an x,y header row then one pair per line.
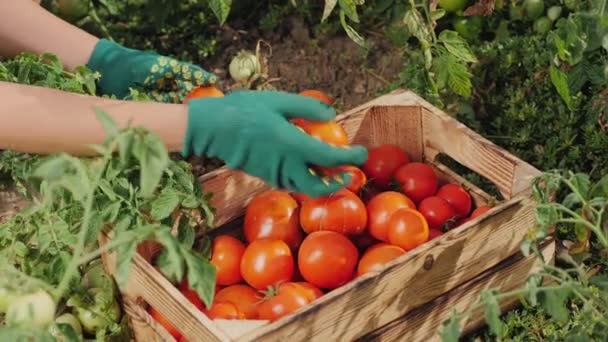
x,y
317,94
300,197
457,197
224,310
244,297
327,259
267,262
165,323
382,162
408,229
417,181
273,214
463,221
329,132
381,207
226,252
201,92
357,177
341,212
437,212
289,298
377,256
480,211
191,295
433,233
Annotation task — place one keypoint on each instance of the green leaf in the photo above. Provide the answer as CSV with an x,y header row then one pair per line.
x,y
600,281
555,303
170,260
457,46
350,32
415,24
221,9
201,277
185,233
164,204
126,252
437,14
560,82
600,189
328,8
350,9
153,158
109,125
582,184
450,328
532,287
488,298
452,74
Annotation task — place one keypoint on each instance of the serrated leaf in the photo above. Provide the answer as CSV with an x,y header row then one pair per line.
x,y
555,301
221,9
170,260
457,46
600,189
185,233
350,9
560,82
492,312
109,125
201,277
450,328
352,34
164,204
328,8
191,202
153,158
415,24
452,74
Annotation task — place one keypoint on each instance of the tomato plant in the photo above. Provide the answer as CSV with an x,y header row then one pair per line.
x,y
377,256
457,197
382,162
226,252
408,229
381,207
288,298
244,297
273,214
417,180
437,212
327,259
267,262
201,92
342,212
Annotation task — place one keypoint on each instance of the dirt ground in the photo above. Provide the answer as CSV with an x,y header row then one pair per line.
x,y
335,65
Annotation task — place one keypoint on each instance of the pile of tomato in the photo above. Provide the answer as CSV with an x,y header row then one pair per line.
x,y
295,248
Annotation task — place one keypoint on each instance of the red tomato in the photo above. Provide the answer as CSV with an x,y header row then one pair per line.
x,y
437,212
226,252
379,211
357,177
457,197
191,295
319,95
480,211
433,233
267,262
377,256
341,212
201,92
382,162
408,229
273,214
418,181
289,298
300,197
165,323
224,310
327,259
462,221
244,297
329,132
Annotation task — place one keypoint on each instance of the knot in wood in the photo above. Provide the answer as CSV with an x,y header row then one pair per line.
x,y
428,262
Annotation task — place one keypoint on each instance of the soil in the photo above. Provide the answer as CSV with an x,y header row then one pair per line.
x,y
334,65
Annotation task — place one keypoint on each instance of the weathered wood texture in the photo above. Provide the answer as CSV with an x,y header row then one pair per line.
x,y
464,258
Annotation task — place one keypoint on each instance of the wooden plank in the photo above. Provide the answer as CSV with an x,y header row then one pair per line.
x,y
409,281
423,323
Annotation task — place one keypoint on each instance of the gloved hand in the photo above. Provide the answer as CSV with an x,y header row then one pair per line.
x,y
163,78
251,131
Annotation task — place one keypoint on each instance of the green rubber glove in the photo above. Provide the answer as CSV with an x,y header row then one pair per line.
x,y
251,131
164,79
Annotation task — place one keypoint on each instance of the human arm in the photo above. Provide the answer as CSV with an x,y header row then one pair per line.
x,y
43,121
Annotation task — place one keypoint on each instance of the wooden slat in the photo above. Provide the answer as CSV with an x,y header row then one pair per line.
x,y
423,323
408,281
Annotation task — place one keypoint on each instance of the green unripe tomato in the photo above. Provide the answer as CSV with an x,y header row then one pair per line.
x,y
468,27
35,309
533,9
453,5
72,10
554,12
542,25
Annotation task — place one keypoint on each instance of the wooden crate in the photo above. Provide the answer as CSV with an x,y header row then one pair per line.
x,y
411,296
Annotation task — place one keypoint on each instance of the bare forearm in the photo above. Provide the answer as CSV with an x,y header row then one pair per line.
x,y
26,26
41,120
